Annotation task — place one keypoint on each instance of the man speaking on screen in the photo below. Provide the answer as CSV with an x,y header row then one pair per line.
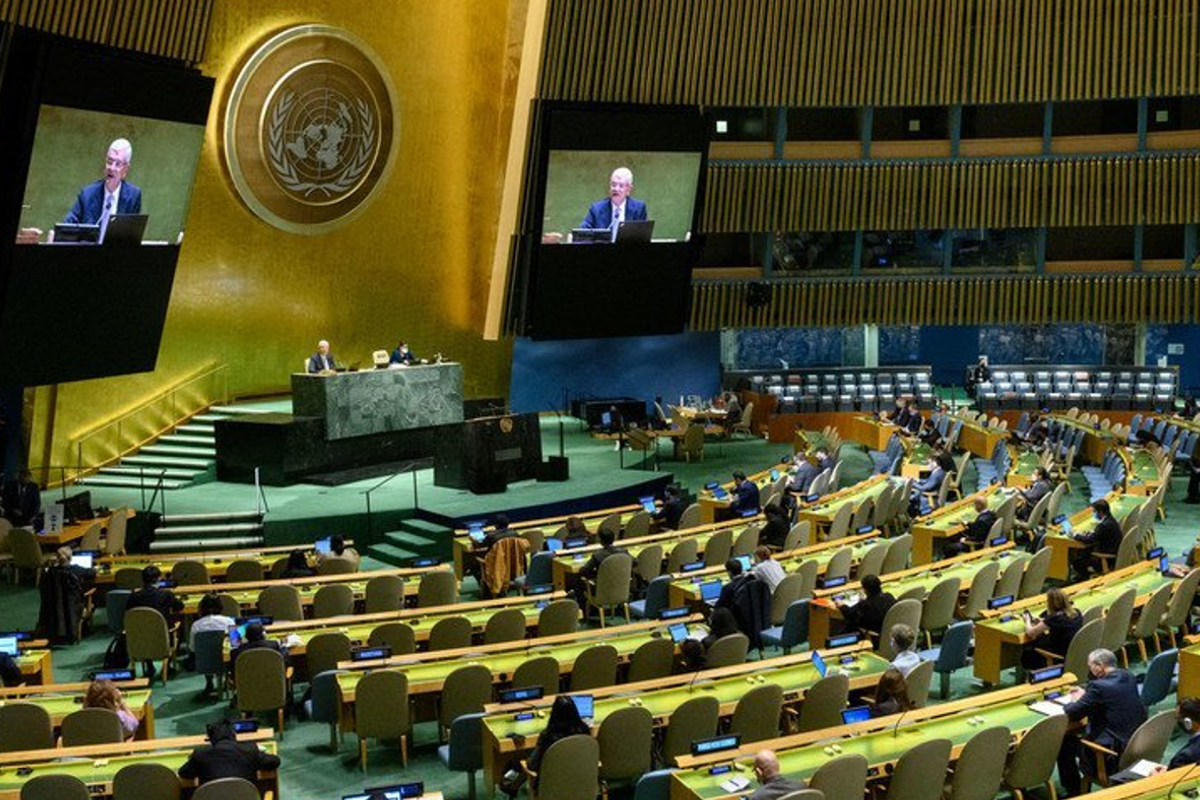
x,y
618,207
103,199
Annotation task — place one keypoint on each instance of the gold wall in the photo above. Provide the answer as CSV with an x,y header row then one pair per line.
x,y
415,264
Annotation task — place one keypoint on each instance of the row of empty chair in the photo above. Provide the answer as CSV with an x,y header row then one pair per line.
x,y
1119,389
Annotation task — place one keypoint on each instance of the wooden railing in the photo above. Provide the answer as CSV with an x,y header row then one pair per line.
x,y
158,415
942,300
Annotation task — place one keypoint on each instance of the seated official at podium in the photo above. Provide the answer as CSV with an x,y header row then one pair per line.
x,y
618,207
322,360
402,355
102,199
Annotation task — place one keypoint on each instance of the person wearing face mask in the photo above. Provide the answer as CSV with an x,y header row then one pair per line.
x,y
1104,538
1188,717
1113,709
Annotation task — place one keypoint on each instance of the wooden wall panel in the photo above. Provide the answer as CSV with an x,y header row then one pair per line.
x,y
175,29
951,301
869,52
1155,189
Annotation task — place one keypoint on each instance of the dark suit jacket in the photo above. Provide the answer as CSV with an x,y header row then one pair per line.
x,y
22,502
1105,537
592,567
806,473
1036,491
668,516
600,213
868,613
745,497
89,205
1113,709
161,600
403,358
10,673
978,529
1188,754
267,644
314,362
228,759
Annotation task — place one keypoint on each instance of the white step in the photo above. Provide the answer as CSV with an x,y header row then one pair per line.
x,y
196,429
234,410
199,530
165,462
184,519
127,483
224,543
151,475
184,440
179,450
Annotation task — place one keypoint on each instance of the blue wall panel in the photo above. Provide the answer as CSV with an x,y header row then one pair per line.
x,y
1157,339
636,366
949,349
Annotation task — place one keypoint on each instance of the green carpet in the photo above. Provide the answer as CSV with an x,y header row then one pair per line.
x,y
311,772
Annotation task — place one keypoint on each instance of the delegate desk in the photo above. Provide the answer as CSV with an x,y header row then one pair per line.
x,y
931,531
821,513
980,439
358,627
1061,546
685,587
713,509
465,550
872,432
917,461
567,564
824,609
1189,667
1176,783
427,672
246,594
1095,444
508,733
36,666
1024,462
1142,476
61,699
879,740
1000,633
73,532
97,765
217,561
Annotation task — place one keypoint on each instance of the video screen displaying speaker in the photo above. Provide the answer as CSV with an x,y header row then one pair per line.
x,y
612,200
103,148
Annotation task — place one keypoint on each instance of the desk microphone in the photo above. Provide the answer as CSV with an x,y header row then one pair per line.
x,y
896,727
1187,772
694,678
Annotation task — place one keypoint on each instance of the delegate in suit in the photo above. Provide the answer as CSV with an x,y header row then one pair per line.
x,y
322,360
618,206
112,195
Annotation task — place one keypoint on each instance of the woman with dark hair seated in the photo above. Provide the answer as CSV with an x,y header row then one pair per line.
x,y
297,566
564,721
722,624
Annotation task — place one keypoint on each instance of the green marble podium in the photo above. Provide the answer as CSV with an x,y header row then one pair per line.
x,y
381,400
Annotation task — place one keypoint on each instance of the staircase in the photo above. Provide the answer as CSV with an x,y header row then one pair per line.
x,y
415,539
213,531
183,458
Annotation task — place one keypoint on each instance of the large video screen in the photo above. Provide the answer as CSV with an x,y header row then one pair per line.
x,y
102,149
83,160
610,215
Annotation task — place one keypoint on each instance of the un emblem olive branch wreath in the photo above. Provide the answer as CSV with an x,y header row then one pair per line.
x,y
286,170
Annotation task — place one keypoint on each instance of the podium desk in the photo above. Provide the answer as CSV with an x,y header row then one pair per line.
x,y
381,400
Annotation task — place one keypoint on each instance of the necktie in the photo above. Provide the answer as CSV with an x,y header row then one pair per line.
x,y
105,214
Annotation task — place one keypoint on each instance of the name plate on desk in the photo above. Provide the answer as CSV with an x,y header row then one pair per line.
x,y
382,400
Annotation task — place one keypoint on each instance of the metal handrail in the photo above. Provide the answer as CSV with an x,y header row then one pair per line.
x,y
177,416
410,468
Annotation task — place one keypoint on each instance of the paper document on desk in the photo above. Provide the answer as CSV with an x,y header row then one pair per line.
x,y
1144,768
852,601
1047,708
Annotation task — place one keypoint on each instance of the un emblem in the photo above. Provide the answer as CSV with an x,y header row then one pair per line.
x,y
310,128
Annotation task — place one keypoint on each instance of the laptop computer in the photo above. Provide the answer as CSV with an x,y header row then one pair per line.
x,y
856,714
82,560
647,504
397,792
554,544
638,230
9,646
125,229
720,493
76,233
710,591
744,561
585,704
678,631
323,546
